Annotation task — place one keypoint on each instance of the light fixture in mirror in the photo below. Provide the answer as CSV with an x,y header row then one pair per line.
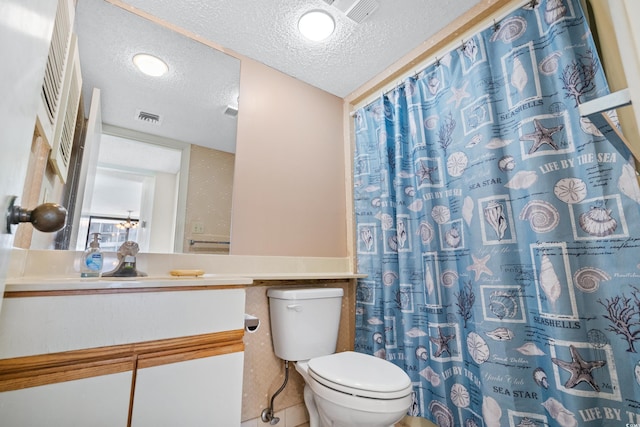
x,y
187,107
150,65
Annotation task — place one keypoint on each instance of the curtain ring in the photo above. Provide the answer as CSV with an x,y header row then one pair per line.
x,y
463,46
437,63
496,26
533,4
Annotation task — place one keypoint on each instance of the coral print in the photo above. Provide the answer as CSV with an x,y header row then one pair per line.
x,y
499,232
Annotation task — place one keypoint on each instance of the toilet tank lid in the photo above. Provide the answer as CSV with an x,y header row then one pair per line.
x,y
304,293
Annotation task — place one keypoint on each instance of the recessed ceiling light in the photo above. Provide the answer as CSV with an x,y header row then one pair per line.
x,y
150,65
316,25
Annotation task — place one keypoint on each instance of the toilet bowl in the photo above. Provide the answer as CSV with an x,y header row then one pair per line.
x,y
345,389
354,390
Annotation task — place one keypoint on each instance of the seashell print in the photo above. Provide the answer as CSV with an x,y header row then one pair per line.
x,y
422,353
588,279
382,353
470,422
431,122
519,77
498,143
501,334
376,202
558,412
433,83
392,241
503,305
449,278
431,376
415,206
526,422
491,412
405,174
597,221
588,127
530,349
570,190
522,180
470,49
554,11
415,333
410,190
366,235
494,215
425,230
510,29
477,139
429,284
507,163
478,348
457,163
388,277
628,183
467,210
452,237
542,216
378,338
540,377
440,214
549,65
548,279
386,221
459,395
375,321
371,188
401,232
441,414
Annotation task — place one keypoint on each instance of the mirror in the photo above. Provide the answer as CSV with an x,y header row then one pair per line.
x,y
192,109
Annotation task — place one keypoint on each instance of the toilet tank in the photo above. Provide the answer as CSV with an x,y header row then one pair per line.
x,y
304,321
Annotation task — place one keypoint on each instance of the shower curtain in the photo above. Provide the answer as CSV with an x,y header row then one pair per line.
x,y
500,233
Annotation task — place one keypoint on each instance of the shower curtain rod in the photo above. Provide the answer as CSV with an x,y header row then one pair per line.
x,y
478,27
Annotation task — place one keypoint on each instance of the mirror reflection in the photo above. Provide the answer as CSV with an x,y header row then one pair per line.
x,y
162,152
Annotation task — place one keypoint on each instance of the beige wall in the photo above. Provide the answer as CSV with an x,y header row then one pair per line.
x,y
209,199
289,185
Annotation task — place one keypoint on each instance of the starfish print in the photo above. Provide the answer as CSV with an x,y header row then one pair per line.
x,y
442,342
424,173
580,369
459,94
542,135
479,266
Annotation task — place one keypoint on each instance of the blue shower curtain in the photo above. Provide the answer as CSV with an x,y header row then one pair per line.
x,y
500,233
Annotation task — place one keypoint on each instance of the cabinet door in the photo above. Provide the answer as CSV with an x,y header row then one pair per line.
x,y
198,392
97,402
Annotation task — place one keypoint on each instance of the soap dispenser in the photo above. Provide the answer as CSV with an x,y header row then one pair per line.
x,y
92,259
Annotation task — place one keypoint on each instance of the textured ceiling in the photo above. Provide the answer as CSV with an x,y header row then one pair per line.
x,y
202,81
267,32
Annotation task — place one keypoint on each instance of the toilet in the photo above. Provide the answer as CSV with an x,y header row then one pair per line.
x,y
347,389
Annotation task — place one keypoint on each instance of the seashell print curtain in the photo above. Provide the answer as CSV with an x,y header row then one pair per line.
x,y
500,233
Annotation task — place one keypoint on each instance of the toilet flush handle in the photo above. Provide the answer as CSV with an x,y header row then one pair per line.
x,y
295,307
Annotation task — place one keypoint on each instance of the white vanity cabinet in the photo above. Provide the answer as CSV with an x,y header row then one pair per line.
x,y
146,357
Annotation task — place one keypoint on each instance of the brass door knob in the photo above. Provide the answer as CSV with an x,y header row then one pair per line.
x,y
48,217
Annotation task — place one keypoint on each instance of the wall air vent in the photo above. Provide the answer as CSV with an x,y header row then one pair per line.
x,y
143,116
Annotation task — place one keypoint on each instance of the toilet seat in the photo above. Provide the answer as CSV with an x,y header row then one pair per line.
x,y
360,375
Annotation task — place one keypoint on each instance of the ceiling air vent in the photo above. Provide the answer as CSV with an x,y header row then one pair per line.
x,y
361,10
146,117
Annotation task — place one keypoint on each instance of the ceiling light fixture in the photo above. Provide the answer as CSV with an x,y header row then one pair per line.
x,y
150,65
316,25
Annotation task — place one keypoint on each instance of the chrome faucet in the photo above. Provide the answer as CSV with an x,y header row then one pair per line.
x,y
126,262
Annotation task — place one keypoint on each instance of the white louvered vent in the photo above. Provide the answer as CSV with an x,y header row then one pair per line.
x,y
144,116
361,10
56,61
65,128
